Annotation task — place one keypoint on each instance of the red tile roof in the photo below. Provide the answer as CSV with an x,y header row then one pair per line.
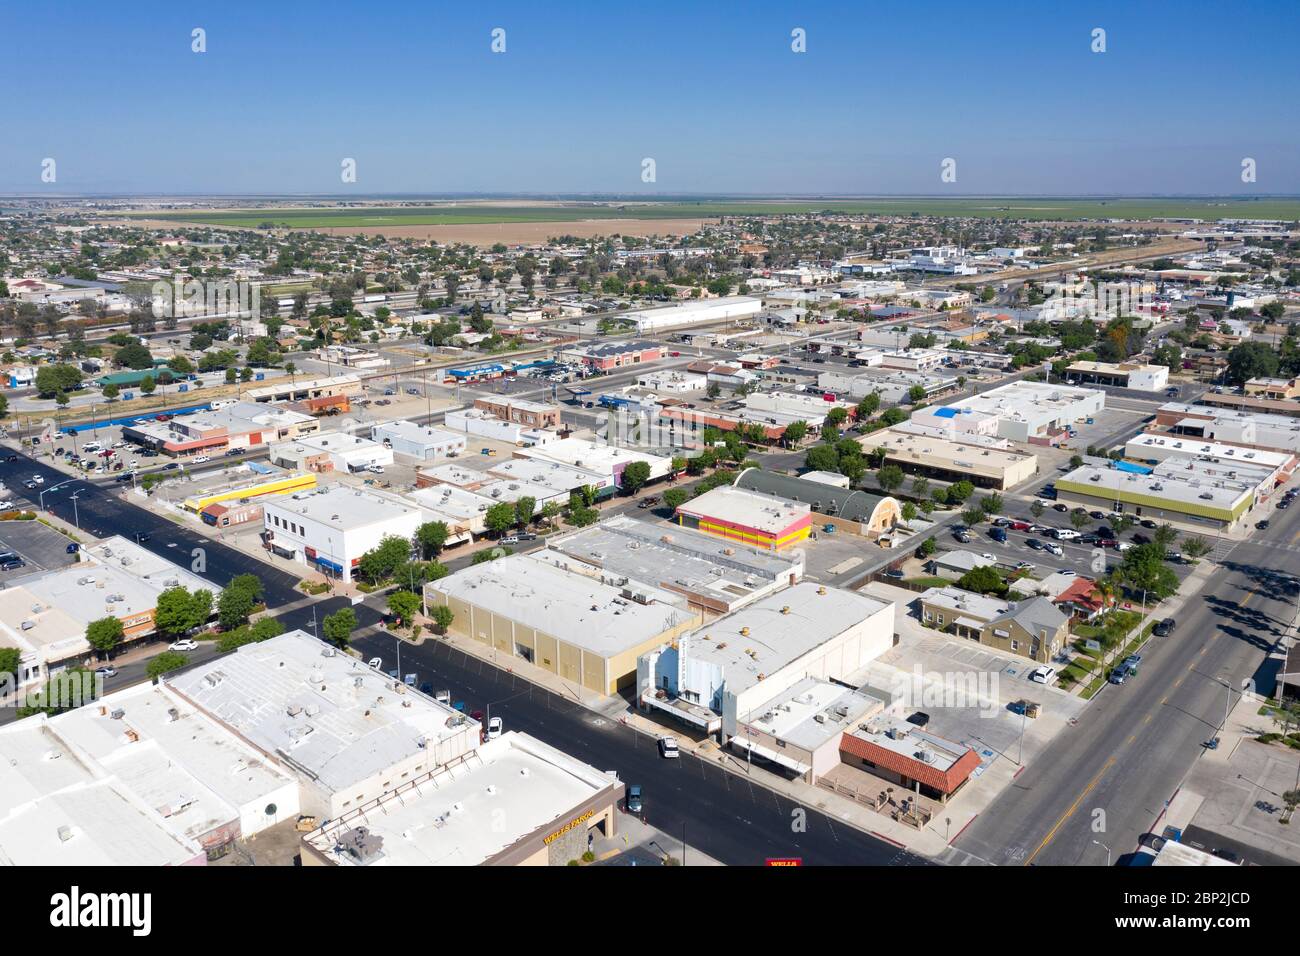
x,y
945,781
1082,592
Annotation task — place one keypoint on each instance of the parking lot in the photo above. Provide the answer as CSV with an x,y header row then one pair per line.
x,y
41,548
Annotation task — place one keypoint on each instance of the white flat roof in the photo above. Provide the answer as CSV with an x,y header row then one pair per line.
x,y
343,508
569,606
1185,446
775,637
471,811
326,711
333,442
1019,400
1194,488
751,509
551,473
792,715
591,455
416,434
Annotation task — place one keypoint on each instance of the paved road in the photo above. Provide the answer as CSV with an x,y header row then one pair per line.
x,y
102,514
1136,742
724,815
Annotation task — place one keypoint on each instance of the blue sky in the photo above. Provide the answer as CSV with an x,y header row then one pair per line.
x,y
711,91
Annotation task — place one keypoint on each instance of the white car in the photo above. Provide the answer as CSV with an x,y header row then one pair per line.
x,y
185,644
1065,534
201,460
375,469
375,662
494,728
989,558
668,747
1043,675
1055,549
7,505
38,479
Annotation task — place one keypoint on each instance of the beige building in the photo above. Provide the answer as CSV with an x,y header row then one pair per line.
x,y
1035,628
951,461
565,622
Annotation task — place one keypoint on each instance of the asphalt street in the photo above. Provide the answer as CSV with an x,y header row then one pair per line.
x,y
1105,781
731,819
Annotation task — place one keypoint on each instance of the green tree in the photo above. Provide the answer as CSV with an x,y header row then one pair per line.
x,y
1196,548
147,385
338,627
178,611
928,547
231,376
442,618
959,491
234,607
676,497
1251,360
404,606
794,433
973,516
822,458
104,634
432,538
635,475
1144,570
889,478
869,405
983,580
500,517
382,561
1036,508
992,504
134,356
52,379
10,660
908,511
1164,537
162,663
111,391
1079,519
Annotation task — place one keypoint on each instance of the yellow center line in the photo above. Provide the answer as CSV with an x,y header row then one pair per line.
x,y
1051,834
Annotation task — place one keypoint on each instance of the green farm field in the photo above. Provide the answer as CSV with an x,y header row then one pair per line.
x,y
475,214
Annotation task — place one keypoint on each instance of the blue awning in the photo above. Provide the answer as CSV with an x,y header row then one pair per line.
x,y
329,565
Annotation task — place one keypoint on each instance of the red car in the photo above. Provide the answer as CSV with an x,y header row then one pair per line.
x,y
1107,543
1020,526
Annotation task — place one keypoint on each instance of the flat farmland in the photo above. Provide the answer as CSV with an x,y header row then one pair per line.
x,y
392,218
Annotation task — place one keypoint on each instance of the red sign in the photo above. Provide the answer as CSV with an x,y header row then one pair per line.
x,y
784,861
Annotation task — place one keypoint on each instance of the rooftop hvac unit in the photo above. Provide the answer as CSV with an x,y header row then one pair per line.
x,y
117,713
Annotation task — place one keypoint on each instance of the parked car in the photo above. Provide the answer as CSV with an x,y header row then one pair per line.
x,y
201,460
634,804
1148,523
648,502
1053,549
1061,507
443,697
106,671
1097,515
1020,526
998,534
185,644
1164,628
1043,674
494,728
1035,545
1024,566
895,574
668,747
12,564
375,662
142,536
963,536
1261,525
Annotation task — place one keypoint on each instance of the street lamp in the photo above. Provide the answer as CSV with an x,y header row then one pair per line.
x,y
1106,848
76,519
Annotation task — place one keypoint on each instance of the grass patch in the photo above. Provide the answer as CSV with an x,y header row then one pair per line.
x,y
926,582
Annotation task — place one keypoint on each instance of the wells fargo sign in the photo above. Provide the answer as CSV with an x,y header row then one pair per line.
x,y
784,861
569,826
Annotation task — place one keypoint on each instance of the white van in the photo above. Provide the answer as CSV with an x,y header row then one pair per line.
x,y
1043,675
92,446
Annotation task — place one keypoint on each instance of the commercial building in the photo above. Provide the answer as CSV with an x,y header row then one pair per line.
x,y
514,801
331,529
464,512
1034,628
1274,389
521,411
951,461
350,356
137,778
247,488
786,407
608,461
346,732
545,475
1245,428
723,674
567,623
419,442
1191,494
728,309
800,728
1142,378
337,451
307,390
669,380
748,517
1035,412
237,426
476,421
714,577
1272,467
854,511
909,757
611,355
45,615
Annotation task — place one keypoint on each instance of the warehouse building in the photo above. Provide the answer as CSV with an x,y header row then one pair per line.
x,y
608,461
239,425
1249,429
347,733
855,511
714,577
951,461
419,442
611,355
1134,375
520,411
748,517
1274,467
476,421
570,624
722,674
514,801
1189,494
727,309
308,390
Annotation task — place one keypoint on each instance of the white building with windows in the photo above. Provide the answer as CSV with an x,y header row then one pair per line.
x,y
330,530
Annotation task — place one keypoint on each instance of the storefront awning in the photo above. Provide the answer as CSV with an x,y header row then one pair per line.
x,y
773,755
329,565
970,622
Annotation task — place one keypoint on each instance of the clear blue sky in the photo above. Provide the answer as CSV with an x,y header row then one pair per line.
x,y
584,92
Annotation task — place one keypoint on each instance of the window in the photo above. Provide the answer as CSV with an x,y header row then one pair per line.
x,y
1015,645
